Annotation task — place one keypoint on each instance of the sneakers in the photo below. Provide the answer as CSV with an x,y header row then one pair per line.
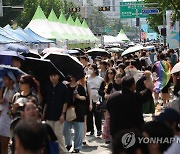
x,y
68,147
99,133
107,142
84,142
75,151
92,133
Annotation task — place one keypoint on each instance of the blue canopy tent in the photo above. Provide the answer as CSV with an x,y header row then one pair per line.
x,y
6,34
5,40
7,26
37,37
18,36
25,35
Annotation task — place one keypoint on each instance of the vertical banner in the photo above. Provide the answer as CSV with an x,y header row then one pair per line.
x,y
173,33
1,9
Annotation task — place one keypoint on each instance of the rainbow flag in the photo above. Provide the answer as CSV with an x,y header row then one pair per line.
x,y
163,70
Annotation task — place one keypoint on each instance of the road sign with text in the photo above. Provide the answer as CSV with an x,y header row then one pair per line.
x,y
132,10
150,11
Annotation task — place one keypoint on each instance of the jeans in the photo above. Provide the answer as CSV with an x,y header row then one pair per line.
x,y
78,133
58,130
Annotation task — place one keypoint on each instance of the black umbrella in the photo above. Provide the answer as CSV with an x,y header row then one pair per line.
x,y
40,68
69,65
98,52
32,53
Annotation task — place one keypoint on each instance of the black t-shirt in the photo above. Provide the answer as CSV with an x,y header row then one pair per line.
x,y
55,97
78,104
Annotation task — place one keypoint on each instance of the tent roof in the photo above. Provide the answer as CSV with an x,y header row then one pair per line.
x,y
6,34
39,14
84,24
8,26
16,35
25,35
122,36
40,25
62,18
52,16
77,22
4,39
36,36
121,31
70,21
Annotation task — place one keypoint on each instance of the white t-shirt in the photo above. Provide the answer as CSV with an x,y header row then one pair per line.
x,y
94,84
175,147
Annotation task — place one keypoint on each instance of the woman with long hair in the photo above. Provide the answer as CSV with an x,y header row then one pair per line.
x,y
115,86
32,111
108,81
5,119
28,87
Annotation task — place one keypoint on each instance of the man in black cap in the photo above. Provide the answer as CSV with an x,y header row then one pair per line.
x,y
172,118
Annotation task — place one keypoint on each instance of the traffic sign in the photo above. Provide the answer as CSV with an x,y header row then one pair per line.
x,y
132,10
1,9
150,11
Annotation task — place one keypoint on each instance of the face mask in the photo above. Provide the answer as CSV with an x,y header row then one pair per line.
x,y
89,72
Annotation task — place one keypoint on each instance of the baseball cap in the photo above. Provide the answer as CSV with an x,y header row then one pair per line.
x,y
169,114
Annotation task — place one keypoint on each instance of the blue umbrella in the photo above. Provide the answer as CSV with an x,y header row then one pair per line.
x,y
6,56
4,69
17,47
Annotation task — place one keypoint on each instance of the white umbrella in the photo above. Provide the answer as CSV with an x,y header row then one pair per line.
x,y
131,44
150,47
132,49
176,68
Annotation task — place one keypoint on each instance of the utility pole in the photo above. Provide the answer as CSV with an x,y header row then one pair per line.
x,y
164,26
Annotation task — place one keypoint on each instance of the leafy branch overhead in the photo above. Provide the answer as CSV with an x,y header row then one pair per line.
x,y
163,5
23,17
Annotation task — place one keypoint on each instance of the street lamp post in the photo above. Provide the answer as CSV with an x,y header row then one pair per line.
x,y
164,26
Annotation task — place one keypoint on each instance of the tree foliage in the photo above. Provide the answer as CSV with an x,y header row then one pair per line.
x,y
10,14
96,19
163,5
24,16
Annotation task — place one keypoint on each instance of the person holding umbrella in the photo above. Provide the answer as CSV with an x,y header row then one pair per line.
x,y
77,98
55,100
5,100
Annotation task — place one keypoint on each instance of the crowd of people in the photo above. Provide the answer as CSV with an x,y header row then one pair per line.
x,y
113,96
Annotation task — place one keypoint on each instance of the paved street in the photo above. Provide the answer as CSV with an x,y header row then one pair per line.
x,y
96,145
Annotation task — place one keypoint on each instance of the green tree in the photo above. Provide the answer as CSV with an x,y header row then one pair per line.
x,y
97,21
57,5
10,14
163,5
23,17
